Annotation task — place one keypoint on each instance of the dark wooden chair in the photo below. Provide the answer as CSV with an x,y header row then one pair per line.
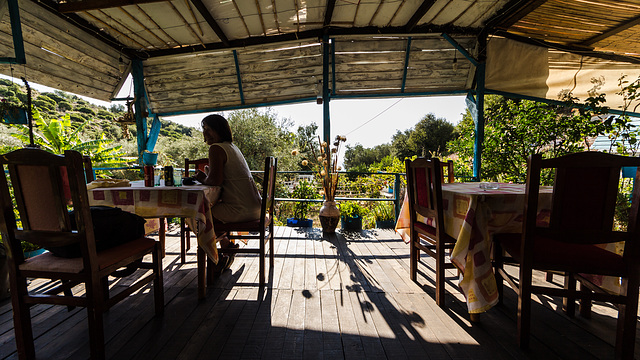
x,y
185,232
43,186
582,215
424,191
261,229
447,168
88,169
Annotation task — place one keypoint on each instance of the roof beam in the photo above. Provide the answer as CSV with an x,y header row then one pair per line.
x,y
315,34
424,7
512,12
328,14
621,27
211,21
86,5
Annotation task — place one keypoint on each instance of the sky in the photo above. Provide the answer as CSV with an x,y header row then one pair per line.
x,y
368,122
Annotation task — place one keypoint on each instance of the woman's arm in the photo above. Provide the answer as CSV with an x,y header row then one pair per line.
x,y
215,172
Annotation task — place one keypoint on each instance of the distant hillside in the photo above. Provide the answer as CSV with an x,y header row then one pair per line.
x,y
101,119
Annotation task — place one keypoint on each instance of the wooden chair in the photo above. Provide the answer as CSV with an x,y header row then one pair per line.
x,y
88,169
185,235
44,185
424,190
447,168
582,214
261,229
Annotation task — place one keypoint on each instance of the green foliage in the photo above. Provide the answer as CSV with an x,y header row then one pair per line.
x,y
430,136
383,211
359,158
85,110
64,106
44,103
352,209
303,190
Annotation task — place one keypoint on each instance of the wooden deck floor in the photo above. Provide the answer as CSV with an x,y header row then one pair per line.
x,y
344,296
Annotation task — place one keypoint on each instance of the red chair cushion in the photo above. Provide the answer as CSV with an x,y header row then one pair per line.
x,y
426,228
555,255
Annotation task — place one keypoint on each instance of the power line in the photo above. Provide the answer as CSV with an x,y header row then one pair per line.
x,y
370,120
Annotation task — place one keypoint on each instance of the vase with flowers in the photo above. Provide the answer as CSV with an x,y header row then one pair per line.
x,y
325,162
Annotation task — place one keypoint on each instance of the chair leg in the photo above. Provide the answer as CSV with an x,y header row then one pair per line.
x,y
22,320
413,260
569,302
182,241
627,319
271,249
95,309
162,236
498,264
440,277
524,308
202,274
158,281
261,275
585,304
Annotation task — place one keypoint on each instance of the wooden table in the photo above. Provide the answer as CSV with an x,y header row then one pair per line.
x,y
189,202
472,215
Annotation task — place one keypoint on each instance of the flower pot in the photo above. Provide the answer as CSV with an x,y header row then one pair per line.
x,y
385,224
351,223
329,216
28,254
299,222
15,115
149,158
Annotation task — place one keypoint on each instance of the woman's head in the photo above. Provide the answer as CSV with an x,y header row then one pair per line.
x,y
218,125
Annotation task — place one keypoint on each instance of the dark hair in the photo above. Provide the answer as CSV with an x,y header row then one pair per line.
x,y
220,125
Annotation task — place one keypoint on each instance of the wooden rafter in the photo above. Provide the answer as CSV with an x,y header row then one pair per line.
x,y
619,28
295,2
235,4
275,15
512,12
424,7
114,30
157,25
396,12
211,21
328,14
264,29
373,17
86,5
133,18
188,4
185,22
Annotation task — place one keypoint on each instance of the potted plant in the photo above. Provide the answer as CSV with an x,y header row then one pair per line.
x,y
384,215
304,190
351,214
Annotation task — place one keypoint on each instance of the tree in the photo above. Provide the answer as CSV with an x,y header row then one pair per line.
x,y
428,138
359,158
516,129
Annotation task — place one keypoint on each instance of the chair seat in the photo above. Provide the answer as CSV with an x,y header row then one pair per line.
x,y
49,262
241,226
578,258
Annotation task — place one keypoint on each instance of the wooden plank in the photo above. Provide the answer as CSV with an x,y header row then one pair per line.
x,y
281,65
312,343
310,272
298,281
351,342
331,340
371,58
279,319
321,265
361,307
247,58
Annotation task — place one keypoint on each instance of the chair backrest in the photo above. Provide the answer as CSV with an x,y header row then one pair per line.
x,y
197,164
45,186
268,188
424,190
585,193
88,169
447,167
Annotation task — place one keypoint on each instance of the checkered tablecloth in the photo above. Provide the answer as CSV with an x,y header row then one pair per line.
x,y
472,215
191,202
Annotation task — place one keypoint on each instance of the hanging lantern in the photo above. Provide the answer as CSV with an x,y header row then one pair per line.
x,y
127,119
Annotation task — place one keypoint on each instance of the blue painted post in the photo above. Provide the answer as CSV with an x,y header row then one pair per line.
x,y
16,32
138,90
479,119
325,91
239,77
396,200
406,64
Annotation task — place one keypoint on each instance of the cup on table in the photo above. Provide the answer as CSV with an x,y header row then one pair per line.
x,y
156,180
177,178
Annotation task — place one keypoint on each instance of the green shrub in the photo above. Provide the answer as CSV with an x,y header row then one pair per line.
x,y
303,190
383,211
352,209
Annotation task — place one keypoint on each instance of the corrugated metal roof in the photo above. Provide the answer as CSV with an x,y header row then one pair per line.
x,y
202,55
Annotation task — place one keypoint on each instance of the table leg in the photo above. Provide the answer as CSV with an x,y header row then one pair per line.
x,y
202,261
161,236
183,249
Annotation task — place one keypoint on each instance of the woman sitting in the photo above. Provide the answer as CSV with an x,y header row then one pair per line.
x,y
240,200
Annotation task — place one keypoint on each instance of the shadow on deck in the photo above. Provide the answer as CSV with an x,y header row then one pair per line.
x,y
346,295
